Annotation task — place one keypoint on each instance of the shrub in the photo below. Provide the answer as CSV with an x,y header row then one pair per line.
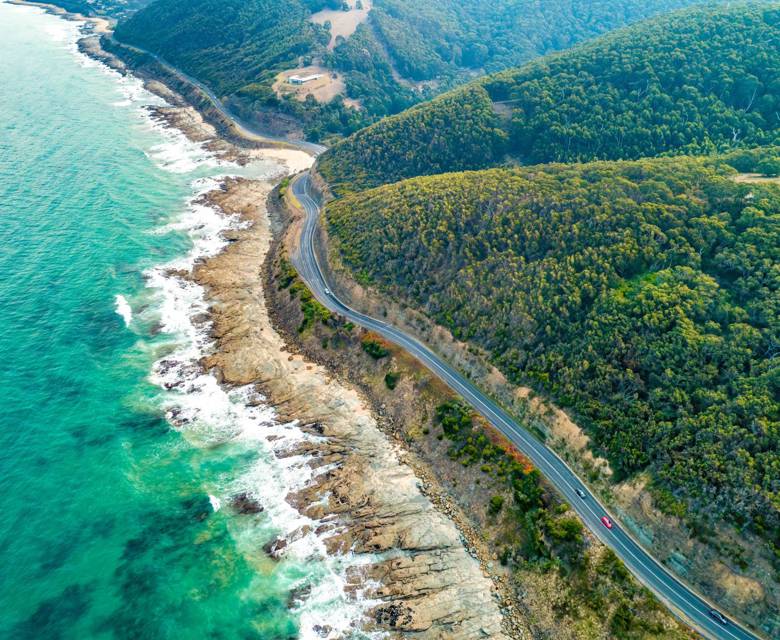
x,y
495,505
375,349
391,380
454,417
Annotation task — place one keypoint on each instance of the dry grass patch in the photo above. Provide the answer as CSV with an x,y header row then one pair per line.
x,y
756,178
343,23
324,89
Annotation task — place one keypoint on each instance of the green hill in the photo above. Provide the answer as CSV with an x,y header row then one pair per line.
x,y
456,131
694,82
407,51
644,296
113,8
227,43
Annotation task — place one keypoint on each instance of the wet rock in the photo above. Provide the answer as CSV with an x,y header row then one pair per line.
x,y
298,595
275,547
164,366
393,616
246,504
424,581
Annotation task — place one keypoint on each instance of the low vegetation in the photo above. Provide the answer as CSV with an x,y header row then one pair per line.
x,y
312,310
577,588
391,379
375,348
535,533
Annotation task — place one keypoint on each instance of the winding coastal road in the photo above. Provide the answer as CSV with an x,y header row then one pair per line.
x,y
245,129
680,598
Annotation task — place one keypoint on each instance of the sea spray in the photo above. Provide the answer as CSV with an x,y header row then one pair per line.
x,y
111,526
123,309
211,416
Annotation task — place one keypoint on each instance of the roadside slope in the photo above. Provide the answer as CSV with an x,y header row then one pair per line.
x,y
641,296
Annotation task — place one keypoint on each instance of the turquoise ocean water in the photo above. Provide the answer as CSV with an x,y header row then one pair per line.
x,y
114,522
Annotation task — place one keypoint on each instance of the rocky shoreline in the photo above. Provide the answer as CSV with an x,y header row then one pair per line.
x,y
415,565
368,502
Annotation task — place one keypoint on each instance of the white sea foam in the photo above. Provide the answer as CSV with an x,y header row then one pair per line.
x,y
123,308
211,416
208,415
178,154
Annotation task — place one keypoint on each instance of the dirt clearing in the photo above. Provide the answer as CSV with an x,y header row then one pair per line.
x,y
324,89
756,178
343,23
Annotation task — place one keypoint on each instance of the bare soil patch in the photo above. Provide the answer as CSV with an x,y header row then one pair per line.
x,y
343,23
755,178
324,89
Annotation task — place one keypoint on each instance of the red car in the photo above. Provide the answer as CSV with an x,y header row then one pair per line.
x,y
606,522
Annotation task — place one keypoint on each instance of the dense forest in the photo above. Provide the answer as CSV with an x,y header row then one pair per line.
x,y
406,51
456,131
227,43
433,40
694,82
644,296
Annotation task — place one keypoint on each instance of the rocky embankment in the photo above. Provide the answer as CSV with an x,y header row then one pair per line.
x,y
366,501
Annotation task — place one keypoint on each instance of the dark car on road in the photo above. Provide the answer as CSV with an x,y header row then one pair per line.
x,y
717,615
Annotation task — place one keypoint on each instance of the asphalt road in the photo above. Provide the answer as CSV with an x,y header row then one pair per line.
x,y
247,130
681,599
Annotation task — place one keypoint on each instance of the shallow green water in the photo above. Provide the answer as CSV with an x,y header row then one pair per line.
x,y
108,529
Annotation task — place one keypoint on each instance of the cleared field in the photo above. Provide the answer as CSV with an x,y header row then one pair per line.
x,y
323,89
343,23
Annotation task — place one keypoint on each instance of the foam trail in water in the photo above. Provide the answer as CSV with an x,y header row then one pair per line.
x,y
123,309
210,416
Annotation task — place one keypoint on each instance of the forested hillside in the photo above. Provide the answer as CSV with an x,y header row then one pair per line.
x,y
456,131
228,43
693,82
428,40
644,296
113,8
406,51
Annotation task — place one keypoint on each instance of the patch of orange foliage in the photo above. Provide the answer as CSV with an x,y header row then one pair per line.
x,y
370,335
498,439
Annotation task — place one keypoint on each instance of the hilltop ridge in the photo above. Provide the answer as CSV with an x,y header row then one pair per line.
x,y
699,81
399,53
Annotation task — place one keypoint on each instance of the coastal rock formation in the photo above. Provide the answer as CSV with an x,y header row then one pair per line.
x,y
364,498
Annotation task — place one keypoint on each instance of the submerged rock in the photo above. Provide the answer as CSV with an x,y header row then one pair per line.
x,y
246,504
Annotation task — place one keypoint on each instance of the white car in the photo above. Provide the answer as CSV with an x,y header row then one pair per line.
x,y
327,291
